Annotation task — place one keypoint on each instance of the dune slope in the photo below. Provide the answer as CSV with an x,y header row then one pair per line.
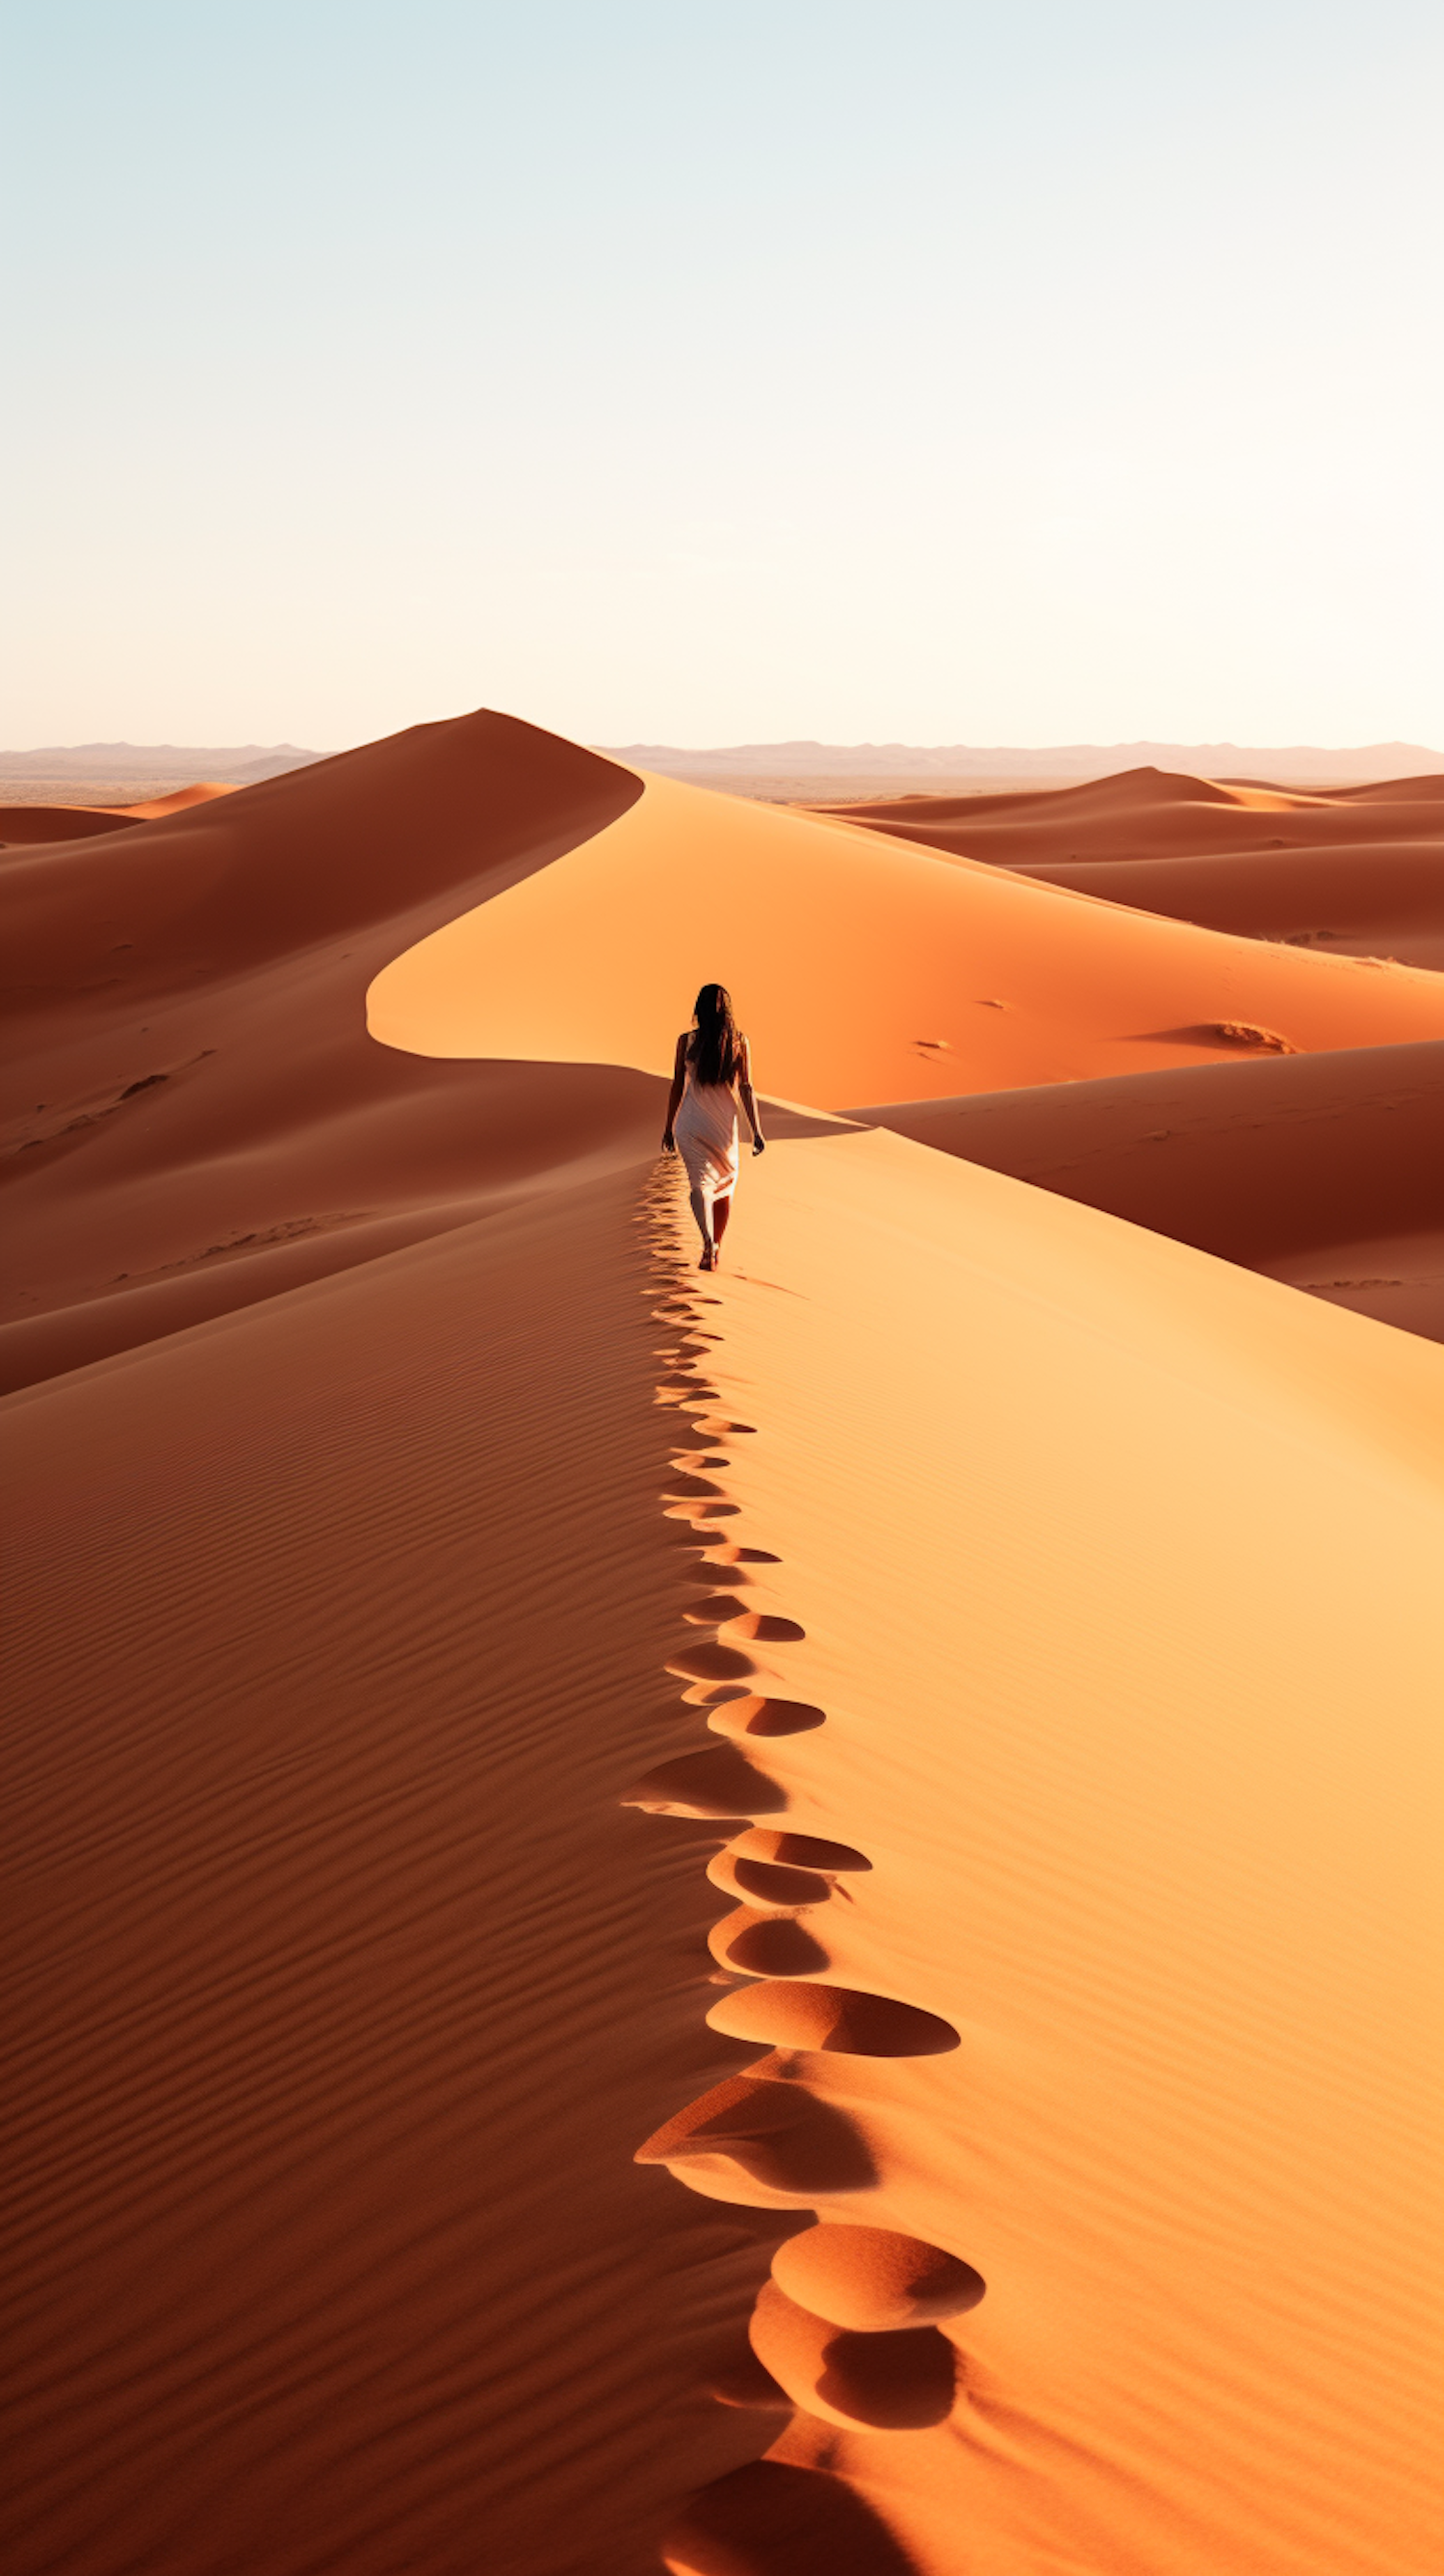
x,y
27,824
31,823
196,1116
339,1990
1321,1170
1096,1582
1358,871
866,970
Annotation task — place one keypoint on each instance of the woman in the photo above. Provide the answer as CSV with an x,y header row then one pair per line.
x,y
712,1068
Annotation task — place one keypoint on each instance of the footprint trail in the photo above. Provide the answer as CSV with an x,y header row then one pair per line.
x,y
849,2330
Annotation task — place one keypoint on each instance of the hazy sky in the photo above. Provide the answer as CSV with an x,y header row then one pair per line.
x,y
1032,371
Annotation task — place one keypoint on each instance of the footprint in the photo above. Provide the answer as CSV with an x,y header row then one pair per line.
x,y
711,1662
767,1630
872,2280
679,1487
895,2382
836,2019
754,1716
773,2519
719,1782
764,2142
764,1884
800,1851
766,1945
711,1608
725,1551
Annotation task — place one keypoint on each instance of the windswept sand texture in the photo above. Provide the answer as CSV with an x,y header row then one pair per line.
x,y
849,1837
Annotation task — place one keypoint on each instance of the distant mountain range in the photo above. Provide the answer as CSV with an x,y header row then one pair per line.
x,y
818,770
114,763
843,769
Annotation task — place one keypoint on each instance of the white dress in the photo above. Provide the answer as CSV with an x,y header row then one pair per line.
x,y
705,1129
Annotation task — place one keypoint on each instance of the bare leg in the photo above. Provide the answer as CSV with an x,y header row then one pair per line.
x,y
721,1211
698,1206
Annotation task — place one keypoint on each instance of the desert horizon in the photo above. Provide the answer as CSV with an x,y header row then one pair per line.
x,y
129,775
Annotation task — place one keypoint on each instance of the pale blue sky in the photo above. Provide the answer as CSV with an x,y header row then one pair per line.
x,y
1000,374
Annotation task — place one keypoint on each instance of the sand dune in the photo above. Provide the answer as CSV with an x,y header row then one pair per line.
x,y
26,823
1322,1170
151,809
923,1738
871,970
204,1120
1358,872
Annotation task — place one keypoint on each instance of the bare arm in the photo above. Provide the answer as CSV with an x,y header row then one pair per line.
x,y
674,1096
749,1101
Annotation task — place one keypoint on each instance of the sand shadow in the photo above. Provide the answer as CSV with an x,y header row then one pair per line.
x,y
772,2519
836,2019
719,1782
789,1123
773,2132
1228,1037
773,1945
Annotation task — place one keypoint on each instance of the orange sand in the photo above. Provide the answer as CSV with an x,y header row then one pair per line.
x,y
1322,1170
22,823
339,1993
1355,872
1016,1622
1115,1567
216,1126
871,970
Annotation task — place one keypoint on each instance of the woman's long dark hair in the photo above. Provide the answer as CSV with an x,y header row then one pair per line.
x,y
716,1049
